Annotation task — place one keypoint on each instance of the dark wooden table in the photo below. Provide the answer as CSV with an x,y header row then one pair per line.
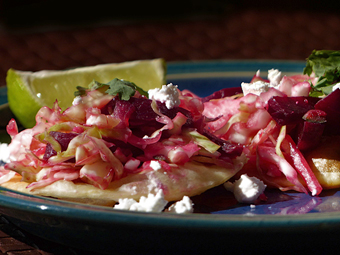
x,y
229,33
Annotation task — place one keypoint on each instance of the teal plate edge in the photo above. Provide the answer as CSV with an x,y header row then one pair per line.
x,y
214,66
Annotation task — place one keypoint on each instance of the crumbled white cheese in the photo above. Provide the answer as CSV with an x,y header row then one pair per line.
x,y
274,77
168,94
77,100
246,189
336,86
255,88
258,87
155,165
125,204
153,185
4,152
183,206
152,203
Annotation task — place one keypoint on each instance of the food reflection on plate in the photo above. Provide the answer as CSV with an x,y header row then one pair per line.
x,y
220,201
330,201
217,201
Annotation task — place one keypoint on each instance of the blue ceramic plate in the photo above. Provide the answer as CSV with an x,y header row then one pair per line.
x,y
284,222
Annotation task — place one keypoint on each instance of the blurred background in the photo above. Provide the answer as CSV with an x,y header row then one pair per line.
x,y
50,34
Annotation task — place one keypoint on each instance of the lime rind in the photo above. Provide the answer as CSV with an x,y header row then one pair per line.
x,y
29,91
146,74
21,100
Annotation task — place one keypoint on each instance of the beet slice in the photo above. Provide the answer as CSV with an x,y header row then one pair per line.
x,y
123,111
289,110
331,106
143,112
109,107
311,129
138,111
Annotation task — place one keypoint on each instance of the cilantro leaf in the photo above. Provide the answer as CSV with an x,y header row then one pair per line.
x,y
95,85
125,89
321,61
325,64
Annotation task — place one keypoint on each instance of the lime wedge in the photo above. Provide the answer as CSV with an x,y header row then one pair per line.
x,y
28,91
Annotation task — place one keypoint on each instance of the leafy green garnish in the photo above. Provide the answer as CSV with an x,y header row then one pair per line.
x,y
124,89
95,85
81,91
325,64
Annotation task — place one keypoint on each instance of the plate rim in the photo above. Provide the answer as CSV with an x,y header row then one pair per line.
x,y
49,207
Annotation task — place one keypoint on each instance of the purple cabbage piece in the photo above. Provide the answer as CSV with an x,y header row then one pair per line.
x,y
227,148
126,148
49,152
226,92
62,138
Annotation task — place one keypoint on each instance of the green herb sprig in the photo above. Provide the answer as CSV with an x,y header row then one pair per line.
x,y
124,89
325,64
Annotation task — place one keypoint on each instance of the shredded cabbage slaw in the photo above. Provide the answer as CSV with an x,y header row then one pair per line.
x,y
102,139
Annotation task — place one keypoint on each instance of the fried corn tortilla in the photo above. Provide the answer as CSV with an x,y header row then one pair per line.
x,y
190,179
